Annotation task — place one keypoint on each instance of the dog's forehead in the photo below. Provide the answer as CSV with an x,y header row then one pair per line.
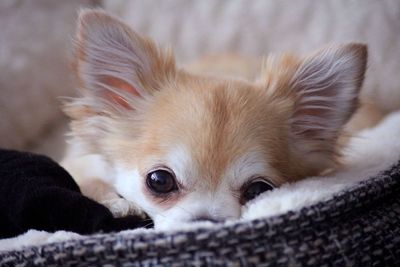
x,y
210,131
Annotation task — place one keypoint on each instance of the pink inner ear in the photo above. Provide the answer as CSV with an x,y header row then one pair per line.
x,y
119,85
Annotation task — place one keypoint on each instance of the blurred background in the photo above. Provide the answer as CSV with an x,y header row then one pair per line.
x,y
35,48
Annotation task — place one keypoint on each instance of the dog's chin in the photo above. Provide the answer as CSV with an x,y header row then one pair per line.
x,y
171,220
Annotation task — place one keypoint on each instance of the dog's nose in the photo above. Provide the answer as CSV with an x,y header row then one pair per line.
x,y
206,218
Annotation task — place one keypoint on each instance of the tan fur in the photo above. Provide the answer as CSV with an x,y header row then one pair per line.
x,y
226,65
218,118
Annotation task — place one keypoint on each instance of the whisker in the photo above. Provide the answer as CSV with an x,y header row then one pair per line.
x,y
149,224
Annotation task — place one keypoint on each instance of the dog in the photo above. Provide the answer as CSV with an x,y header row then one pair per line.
x,y
191,144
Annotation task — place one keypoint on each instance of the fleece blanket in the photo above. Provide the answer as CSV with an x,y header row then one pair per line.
x,y
257,28
371,152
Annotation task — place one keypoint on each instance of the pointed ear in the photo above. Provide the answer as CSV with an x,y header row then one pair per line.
x,y
325,88
115,64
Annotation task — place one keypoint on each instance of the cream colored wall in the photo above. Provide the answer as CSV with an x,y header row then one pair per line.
x,y
35,42
35,39
260,27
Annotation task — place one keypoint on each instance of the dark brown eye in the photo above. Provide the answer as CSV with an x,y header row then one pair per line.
x,y
254,189
161,182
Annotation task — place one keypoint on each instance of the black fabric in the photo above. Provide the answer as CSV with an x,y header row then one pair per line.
x,y
358,227
36,193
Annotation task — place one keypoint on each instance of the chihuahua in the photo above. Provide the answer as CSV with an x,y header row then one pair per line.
x,y
184,146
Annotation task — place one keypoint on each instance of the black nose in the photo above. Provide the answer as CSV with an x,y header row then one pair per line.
x,y
206,218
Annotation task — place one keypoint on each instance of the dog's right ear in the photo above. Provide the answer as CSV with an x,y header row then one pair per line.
x,y
115,65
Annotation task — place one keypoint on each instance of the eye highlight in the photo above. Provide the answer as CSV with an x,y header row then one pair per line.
x,y
253,189
161,182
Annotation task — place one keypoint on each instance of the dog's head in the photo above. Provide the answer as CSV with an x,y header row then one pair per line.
x,y
189,147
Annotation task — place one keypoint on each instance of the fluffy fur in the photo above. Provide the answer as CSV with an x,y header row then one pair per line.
x,y
139,111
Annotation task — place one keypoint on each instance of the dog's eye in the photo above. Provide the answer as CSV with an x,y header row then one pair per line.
x,y
254,189
161,182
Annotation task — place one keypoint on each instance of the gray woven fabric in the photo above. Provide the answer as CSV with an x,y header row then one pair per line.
x,y
358,227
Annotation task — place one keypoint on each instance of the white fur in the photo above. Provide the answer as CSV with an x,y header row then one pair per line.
x,y
181,162
129,184
89,165
250,165
95,179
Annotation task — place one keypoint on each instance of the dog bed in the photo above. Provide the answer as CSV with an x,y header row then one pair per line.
x,y
359,227
352,220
